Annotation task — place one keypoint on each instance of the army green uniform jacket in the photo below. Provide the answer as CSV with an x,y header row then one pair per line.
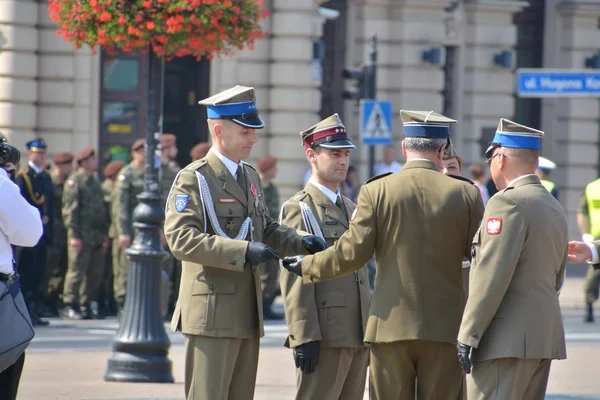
x,y
333,312
420,225
83,210
519,261
220,294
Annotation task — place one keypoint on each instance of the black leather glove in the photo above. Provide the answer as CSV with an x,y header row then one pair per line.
x,y
258,253
293,264
463,356
313,244
307,356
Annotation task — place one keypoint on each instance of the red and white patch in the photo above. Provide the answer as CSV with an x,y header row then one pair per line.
x,y
226,200
70,182
354,214
493,226
122,178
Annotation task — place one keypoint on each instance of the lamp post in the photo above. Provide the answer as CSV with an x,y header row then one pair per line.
x,y
141,345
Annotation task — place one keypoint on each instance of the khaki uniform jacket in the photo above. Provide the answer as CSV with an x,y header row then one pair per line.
x,y
520,255
219,295
333,312
420,224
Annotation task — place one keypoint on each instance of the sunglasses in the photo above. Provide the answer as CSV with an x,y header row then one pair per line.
x,y
489,160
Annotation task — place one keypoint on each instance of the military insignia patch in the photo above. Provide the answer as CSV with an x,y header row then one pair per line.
x,y
70,182
354,213
181,201
494,226
122,178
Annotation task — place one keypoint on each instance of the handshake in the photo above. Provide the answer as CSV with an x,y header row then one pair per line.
x,y
258,253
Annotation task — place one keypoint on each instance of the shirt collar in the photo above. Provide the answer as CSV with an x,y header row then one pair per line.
x,y
326,191
230,165
518,179
35,168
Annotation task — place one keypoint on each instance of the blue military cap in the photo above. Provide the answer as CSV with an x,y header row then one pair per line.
x,y
516,136
237,104
425,124
36,145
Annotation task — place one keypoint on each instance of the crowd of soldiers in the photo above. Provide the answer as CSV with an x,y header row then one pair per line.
x,y
78,270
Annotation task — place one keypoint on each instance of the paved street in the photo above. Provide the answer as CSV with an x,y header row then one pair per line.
x,y
67,360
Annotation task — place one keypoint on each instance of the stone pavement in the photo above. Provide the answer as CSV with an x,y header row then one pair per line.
x,y
67,361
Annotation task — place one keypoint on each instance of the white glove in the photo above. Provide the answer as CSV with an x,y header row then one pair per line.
x,y
587,238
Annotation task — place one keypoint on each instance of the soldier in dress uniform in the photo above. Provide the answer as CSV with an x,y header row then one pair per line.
x,y
87,225
58,259
106,299
269,271
199,151
326,321
419,223
36,187
129,184
512,321
216,221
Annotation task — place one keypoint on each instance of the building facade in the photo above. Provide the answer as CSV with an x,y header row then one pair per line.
x,y
456,57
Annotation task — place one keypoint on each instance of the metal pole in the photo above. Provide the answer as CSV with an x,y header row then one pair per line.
x,y
141,345
372,92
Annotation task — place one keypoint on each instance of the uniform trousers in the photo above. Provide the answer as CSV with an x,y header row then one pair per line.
x,y
56,269
269,280
220,368
85,273
395,366
120,271
32,267
341,374
592,284
508,378
9,379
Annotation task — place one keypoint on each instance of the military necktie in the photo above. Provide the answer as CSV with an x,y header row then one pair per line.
x,y
241,181
340,203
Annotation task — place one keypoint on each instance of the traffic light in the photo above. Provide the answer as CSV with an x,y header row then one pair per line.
x,y
359,76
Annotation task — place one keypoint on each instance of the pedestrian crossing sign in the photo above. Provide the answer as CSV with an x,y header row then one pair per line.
x,y
375,122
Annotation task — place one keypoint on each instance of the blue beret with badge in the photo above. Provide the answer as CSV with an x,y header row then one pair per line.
x,y
426,124
36,145
513,135
237,104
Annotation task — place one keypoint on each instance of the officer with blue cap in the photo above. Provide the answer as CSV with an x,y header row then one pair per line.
x,y
217,223
36,186
512,327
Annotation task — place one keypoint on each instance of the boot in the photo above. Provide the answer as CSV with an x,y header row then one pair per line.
x,y
268,313
97,311
70,311
86,311
589,317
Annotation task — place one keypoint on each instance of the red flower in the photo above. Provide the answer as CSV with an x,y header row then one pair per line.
x,y
150,25
147,4
105,16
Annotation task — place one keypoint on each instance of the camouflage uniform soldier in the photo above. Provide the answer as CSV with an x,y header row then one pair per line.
x,y
269,271
106,297
58,260
87,228
168,172
129,185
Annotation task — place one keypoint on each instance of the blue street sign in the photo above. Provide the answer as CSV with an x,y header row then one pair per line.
x,y
540,82
375,122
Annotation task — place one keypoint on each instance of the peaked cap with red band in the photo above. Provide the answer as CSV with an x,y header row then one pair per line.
x,y
329,134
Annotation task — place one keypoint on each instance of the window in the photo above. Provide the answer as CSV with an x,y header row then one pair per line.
x,y
120,74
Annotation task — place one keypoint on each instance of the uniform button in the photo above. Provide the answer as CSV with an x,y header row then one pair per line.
x,y
361,281
335,233
323,303
211,287
230,211
475,335
232,262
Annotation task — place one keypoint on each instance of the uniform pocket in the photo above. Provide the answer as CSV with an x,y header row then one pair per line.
x,y
331,308
212,303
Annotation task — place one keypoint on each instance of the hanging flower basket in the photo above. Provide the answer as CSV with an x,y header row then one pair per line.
x,y
172,28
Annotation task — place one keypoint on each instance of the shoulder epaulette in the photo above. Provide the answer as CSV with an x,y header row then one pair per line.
x,y
246,164
378,177
300,195
196,164
462,178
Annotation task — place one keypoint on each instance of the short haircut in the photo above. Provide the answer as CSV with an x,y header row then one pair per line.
x,y
423,145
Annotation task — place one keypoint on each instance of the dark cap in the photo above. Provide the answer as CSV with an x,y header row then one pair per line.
x,y
85,154
62,158
138,144
329,133
199,151
36,145
112,168
266,163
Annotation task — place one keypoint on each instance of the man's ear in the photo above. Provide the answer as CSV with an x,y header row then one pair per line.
x,y
311,155
403,149
218,130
